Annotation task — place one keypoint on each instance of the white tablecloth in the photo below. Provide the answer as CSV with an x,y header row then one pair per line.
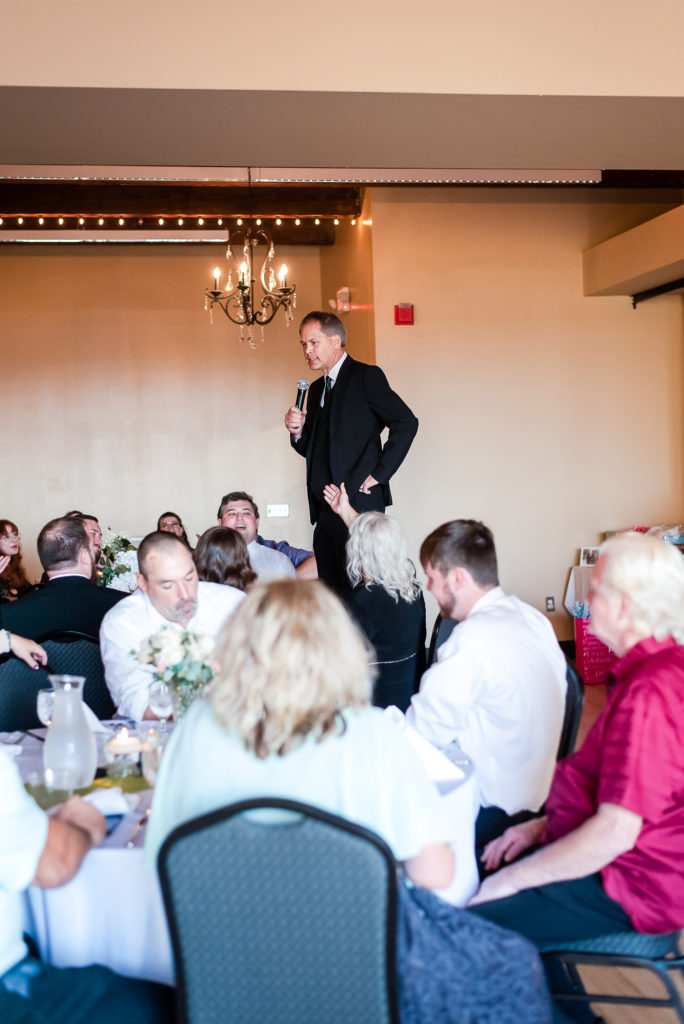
x,y
111,912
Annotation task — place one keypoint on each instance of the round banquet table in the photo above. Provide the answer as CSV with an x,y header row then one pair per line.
x,y
111,912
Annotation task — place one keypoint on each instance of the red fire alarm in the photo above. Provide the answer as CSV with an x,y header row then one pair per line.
x,y
403,313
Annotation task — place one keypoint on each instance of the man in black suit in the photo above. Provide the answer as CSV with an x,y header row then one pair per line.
x,y
339,435
69,600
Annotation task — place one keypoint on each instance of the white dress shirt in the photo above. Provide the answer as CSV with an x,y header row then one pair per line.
x,y
269,563
332,376
130,621
23,833
498,689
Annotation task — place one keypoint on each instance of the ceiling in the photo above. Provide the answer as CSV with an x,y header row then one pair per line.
x,y
123,155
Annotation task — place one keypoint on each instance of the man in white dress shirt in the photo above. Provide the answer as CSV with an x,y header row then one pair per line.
x,y
498,686
239,511
169,594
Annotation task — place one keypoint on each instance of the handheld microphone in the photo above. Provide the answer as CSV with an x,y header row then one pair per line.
x,y
302,388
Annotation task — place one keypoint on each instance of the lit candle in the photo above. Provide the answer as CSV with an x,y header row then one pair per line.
x,y
122,754
217,274
282,276
243,272
123,743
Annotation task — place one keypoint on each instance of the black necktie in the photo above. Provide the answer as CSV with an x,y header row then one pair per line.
x,y
328,384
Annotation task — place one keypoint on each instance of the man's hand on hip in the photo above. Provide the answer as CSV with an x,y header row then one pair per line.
x,y
369,482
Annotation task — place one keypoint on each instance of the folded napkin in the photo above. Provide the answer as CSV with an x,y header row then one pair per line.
x,y
10,737
93,721
112,801
11,749
438,767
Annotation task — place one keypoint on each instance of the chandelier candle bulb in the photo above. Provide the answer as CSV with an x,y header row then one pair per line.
x,y
217,275
242,303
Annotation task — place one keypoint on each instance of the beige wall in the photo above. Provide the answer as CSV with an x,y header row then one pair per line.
x,y
549,415
349,263
120,398
444,46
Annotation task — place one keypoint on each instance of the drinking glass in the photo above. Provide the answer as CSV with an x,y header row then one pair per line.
x,y
152,750
45,700
161,703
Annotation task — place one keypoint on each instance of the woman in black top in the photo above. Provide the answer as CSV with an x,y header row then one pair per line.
x,y
386,601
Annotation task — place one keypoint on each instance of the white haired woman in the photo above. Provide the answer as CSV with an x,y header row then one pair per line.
x,y
288,716
386,600
611,842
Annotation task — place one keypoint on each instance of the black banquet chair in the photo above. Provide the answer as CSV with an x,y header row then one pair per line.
x,y
574,703
78,654
441,631
19,687
658,955
280,913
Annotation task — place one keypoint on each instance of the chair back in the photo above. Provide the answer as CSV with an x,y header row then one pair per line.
x,y
441,631
574,702
280,913
78,654
19,687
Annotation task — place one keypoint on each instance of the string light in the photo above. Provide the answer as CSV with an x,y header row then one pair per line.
x,y
201,221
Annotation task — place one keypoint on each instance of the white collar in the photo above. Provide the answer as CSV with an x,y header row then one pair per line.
x,y
336,368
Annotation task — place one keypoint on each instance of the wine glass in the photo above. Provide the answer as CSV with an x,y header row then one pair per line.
x,y
161,703
45,700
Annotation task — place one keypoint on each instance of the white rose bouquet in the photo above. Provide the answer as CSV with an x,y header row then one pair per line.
x,y
118,563
182,660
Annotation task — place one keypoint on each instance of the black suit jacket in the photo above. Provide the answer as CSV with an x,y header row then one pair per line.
x,y
66,602
362,405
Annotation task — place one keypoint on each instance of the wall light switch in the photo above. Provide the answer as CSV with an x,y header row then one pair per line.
x,y
277,511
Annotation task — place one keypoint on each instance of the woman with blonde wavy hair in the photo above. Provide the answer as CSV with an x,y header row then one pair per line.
x,y
387,601
288,715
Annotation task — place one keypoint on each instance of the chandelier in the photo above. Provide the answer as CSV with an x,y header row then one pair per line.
x,y
238,300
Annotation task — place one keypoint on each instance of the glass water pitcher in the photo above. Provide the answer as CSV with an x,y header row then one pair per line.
x,y
70,746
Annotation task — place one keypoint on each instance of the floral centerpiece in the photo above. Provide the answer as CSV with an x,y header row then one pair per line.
x,y
118,563
181,659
